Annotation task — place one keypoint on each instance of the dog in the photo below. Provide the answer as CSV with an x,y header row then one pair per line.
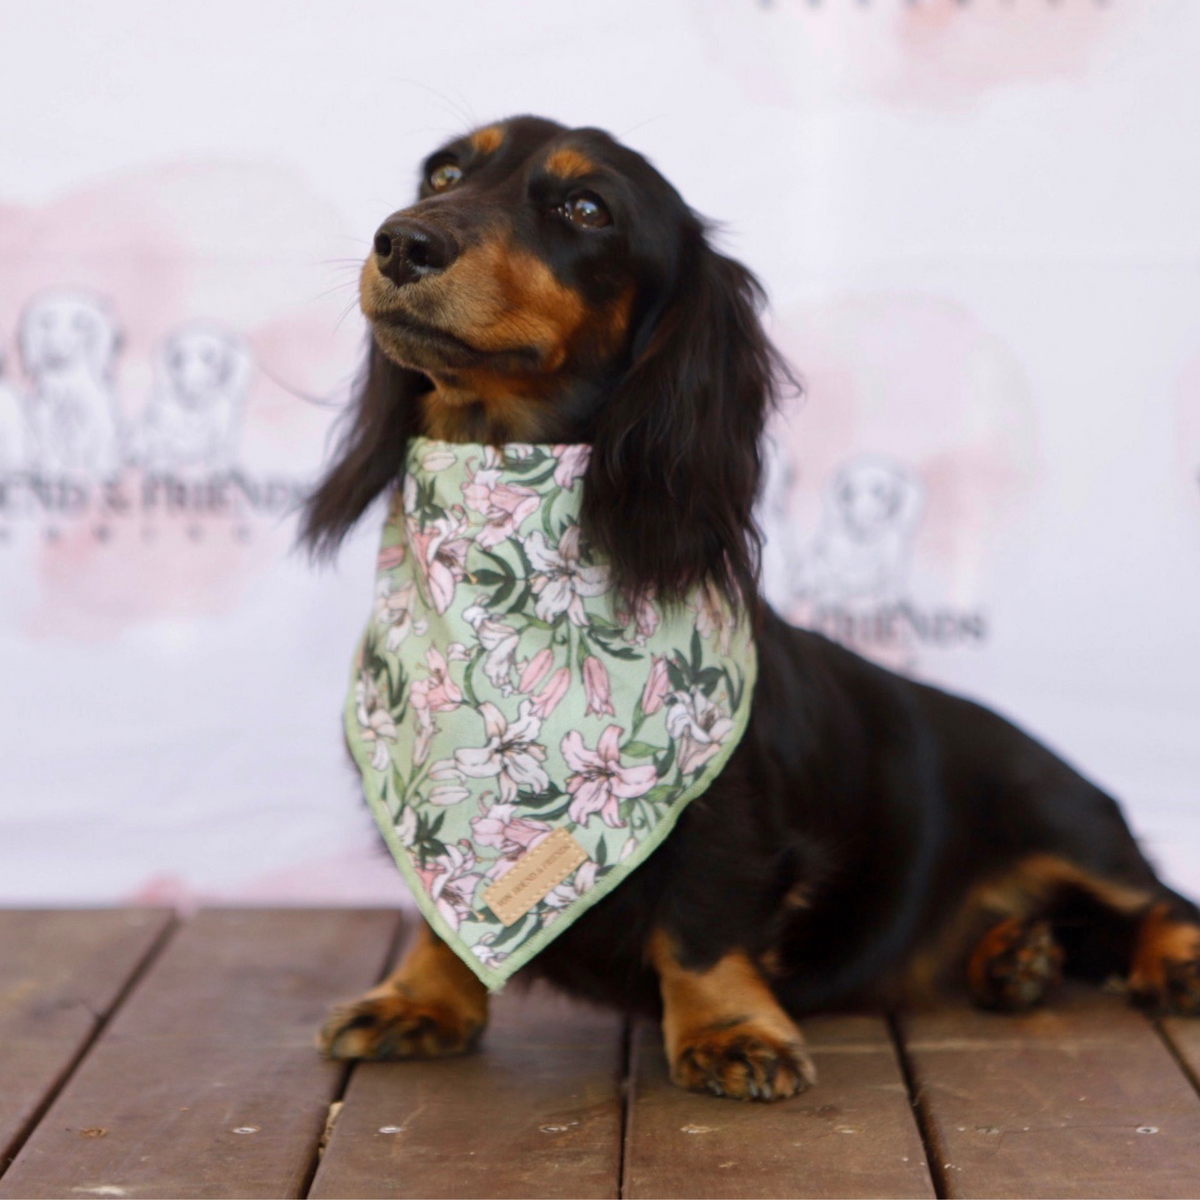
x,y
860,552
871,839
193,417
69,343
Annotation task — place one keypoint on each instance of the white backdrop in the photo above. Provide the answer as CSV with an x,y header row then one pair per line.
x,y
977,225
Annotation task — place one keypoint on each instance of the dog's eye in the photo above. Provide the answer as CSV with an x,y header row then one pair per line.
x,y
444,176
587,209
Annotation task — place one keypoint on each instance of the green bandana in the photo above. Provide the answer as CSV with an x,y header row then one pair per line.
x,y
526,741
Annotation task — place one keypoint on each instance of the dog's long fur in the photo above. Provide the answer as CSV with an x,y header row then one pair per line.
x,y
871,837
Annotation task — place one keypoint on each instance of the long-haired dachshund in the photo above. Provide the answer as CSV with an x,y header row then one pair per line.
x,y
871,837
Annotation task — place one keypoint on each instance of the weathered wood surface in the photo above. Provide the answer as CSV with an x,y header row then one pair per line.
x,y
1081,1098
178,1060
61,973
206,1082
536,1112
1182,1035
852,1135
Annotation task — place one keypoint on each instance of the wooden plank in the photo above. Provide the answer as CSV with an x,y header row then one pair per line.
x,y
536,1112
853,1134
1183,1035
61,973
1081,1098
206,1081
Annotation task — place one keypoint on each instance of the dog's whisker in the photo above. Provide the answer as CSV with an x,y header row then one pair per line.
x,y
349,309
460,108
642,124
291,389
337,287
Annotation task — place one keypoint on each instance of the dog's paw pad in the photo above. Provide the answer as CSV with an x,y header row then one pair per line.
x,y
1016,966
745,1063
394,1026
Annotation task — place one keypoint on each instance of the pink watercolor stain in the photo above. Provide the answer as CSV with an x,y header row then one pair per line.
x,y
356,875
934,53
232,249
91,589
918,381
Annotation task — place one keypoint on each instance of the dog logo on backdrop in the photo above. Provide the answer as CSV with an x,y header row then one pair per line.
x,y
66,455
69,343
193,417
863,544
12,427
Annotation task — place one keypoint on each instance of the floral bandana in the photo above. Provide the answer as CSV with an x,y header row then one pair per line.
x,y
525,741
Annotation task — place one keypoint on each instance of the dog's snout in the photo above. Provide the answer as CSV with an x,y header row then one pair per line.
x,y
407,249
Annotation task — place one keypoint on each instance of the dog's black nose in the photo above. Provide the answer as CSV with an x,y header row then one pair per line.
x,y
407,249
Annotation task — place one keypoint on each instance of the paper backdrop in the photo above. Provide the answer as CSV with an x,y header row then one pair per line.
x,y
977,225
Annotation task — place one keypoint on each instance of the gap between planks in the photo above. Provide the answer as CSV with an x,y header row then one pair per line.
x,y
930,1052
217,1041
1084,1097
72,990
400,937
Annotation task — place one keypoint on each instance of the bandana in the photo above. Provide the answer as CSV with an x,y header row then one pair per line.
x,y
526,739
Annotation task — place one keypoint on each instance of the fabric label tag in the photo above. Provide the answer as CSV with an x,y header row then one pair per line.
x,y
533,876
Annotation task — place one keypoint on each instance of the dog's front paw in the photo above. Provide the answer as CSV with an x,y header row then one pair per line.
x,y
389,1023
743,1061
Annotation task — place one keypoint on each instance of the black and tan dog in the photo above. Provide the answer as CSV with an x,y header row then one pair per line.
x,y
871,837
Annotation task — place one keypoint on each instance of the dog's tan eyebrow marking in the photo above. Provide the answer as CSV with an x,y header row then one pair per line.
x,y
570,163
487,139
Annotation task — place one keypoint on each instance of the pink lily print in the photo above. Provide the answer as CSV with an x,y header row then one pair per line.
x,y
572,463
511,755
511,835
698,727
600,782
563,581
596,687
451,881
441,557
437,694
503,505
375,720
499,642
395,608
570,890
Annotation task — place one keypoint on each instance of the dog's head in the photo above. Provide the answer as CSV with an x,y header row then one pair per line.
x,y
549,285
201,367
61,331
872,497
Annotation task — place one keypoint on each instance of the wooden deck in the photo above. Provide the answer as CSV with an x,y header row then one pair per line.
x,y
141,1056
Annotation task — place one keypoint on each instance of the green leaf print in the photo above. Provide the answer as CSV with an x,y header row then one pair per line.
x,y
641,750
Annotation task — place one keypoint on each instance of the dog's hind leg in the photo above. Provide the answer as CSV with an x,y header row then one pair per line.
x,y
1153,945
1049,915
1015,965
724,1030
430,1007
1164,972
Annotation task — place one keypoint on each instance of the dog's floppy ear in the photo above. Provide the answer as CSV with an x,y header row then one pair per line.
x,y
675,467
370,453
